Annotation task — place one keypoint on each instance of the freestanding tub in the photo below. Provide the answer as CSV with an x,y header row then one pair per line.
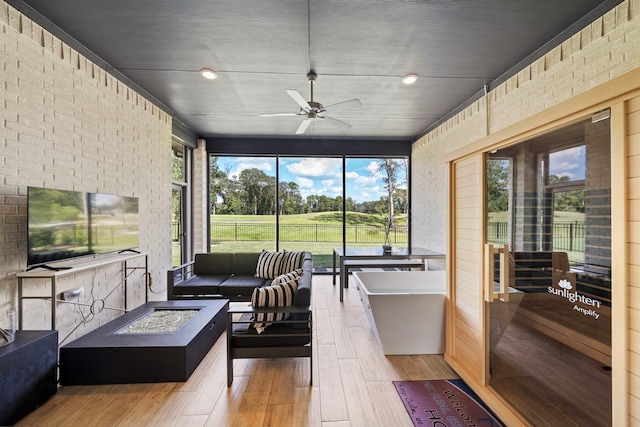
x,y
406,308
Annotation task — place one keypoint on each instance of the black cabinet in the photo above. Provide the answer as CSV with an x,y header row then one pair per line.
x,y
28,373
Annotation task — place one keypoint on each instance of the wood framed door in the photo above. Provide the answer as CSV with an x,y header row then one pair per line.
x,y
529,321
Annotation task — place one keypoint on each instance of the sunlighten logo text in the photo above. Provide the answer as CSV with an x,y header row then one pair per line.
x,y
574,297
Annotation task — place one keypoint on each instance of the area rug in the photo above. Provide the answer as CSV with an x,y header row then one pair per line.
x,y
444,403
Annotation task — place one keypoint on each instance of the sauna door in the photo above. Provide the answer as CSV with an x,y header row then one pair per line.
x,y
548,275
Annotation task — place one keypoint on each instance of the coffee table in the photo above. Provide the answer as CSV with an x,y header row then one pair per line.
x,y
106,356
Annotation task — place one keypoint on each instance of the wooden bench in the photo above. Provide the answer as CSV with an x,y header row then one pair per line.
x,y
375,263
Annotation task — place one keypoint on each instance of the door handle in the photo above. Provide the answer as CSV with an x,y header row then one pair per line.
x,y
502,293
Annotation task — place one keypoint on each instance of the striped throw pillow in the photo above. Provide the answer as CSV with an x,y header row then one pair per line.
x,y
280,295
291,261
287,277
269,264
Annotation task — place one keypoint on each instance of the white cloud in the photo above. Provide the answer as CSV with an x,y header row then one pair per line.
x,y
265,165
304,182
363,181
373,168
352,175
319,167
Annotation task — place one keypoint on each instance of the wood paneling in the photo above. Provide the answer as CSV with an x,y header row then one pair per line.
x,y
465,242
633,258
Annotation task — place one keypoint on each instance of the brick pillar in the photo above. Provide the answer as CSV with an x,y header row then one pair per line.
x,y
200,197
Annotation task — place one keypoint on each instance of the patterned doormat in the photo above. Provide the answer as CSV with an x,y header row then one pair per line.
x,y
444,403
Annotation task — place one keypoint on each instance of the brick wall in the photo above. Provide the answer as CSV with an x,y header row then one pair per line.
x,y
68,124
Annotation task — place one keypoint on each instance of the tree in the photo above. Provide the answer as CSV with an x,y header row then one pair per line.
x,y
497,185
390,169
218,183
290,198
259,192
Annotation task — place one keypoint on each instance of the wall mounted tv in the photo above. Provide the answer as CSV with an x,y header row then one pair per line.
x,y
66,224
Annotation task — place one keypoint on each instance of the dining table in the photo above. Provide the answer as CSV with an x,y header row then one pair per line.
x,y
341,254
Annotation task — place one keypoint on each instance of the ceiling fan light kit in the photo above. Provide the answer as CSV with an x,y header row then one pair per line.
x,y
313,110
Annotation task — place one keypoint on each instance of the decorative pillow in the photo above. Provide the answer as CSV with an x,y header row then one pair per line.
x,y
287,277
291,261
269,264
280,295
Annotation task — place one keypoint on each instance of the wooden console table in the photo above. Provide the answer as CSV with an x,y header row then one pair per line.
x,y
73,267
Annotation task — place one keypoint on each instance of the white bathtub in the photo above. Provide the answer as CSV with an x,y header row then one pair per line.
x,y
406,308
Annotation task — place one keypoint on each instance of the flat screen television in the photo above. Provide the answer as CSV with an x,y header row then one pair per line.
x,y
66,224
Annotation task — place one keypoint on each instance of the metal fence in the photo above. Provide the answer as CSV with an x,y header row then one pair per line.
x,y
356,233
567,236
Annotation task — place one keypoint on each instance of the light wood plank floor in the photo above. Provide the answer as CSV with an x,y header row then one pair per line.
x,y
352,384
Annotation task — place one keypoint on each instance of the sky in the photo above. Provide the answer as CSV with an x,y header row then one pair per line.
x,y
319,176
569,162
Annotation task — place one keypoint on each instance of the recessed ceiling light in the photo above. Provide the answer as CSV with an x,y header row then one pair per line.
x,y
208,73
409,79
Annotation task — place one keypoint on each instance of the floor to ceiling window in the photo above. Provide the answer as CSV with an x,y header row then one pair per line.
x,y
242,204
315,204
179,201
310,206
377,195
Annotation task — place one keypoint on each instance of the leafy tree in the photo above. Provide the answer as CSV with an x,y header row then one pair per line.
x,y
567,201
257,198
290,198
497,185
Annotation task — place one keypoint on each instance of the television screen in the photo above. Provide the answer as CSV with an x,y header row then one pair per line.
x,y
67,224
114,223
58,222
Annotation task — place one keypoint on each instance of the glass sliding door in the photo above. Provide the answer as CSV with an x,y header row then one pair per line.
x,y
548,265
243,204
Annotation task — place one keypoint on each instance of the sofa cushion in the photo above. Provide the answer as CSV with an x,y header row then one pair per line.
x,y
200,285
287,277
279,335
291,261
207,264
241,285
268,266
244,263
281,295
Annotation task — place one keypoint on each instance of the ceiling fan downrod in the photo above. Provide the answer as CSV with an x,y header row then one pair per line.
x,y
312,79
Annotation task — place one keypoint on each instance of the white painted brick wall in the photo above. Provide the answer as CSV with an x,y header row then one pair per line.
x,y
66,123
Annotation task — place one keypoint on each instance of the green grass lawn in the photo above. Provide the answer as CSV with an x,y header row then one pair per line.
x,y
317,232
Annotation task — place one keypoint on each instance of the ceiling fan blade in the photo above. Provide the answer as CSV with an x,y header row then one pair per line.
x,y
279,115
303,126
337,123
295,95
352,103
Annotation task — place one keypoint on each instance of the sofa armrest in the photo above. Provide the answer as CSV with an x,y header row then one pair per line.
x,y
177,275
250,310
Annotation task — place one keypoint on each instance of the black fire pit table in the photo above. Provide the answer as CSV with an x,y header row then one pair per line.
x,y
119,352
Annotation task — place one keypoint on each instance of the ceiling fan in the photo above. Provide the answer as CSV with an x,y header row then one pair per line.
x,y
313,111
